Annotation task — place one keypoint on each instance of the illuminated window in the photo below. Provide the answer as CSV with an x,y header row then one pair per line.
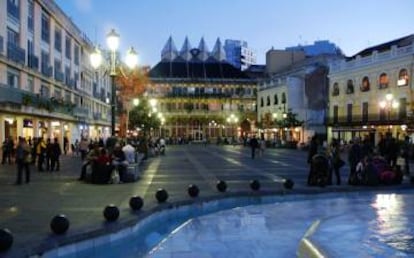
x,y
403,78
365,84
383,81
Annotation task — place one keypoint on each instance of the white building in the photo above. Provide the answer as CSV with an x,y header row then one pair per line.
x,y
300,89
47,87
359,86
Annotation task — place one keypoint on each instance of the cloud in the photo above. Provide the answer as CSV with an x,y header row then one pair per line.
x,y
84,5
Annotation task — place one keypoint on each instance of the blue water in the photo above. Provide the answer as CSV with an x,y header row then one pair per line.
x,y
344,225
363,225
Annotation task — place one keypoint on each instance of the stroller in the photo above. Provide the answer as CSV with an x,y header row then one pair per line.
x,y
319,172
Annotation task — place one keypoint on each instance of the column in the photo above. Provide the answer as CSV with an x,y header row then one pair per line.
x,y
19,127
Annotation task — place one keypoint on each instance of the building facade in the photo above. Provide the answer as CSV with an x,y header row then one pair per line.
x,y
200,94
318,47
47,86
292,102
239,54
371,93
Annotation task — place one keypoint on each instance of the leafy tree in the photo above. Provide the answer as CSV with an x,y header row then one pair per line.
x,y
131,84
289,121
141,116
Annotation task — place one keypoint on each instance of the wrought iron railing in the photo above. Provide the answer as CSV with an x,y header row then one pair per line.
x,y
372,119
33,62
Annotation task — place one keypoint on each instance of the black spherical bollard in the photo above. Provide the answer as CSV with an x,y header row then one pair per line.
x,y
255,185
59,224
136,203
193,190
221,186
161,195
288,184
6,239
111,212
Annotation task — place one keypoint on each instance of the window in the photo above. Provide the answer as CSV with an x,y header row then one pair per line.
x,y
403,78
30,15
68,47
45,28
261,102
349,87
58,40
365,84
44,91
365,112
349,113
283,98
12,78
335,90
383,81
30,83
76,50
268,101
13,9
276,100
335,114
12,37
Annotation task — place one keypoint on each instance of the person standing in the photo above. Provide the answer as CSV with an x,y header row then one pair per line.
x,y
65,145
41,153
54,155
337,162
354,157
253,145
22,160
405,154
5,150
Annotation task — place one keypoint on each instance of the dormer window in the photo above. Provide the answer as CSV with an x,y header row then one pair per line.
x,y
268,101
403,78
276,100
365,84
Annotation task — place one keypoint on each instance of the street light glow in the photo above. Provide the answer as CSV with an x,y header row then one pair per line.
x,y
131,58
96,58
112,39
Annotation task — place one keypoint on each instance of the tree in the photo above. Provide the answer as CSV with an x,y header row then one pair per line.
x,y
131,83
142,117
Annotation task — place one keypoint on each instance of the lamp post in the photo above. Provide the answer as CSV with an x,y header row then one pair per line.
x,y
232,119
131,60
387,105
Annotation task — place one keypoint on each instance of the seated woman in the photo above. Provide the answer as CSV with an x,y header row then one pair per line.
x,y
119,161
103,158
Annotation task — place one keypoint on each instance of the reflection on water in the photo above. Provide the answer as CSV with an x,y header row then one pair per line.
x,y
352,225
393,224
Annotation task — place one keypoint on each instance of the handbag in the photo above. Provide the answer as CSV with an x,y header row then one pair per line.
x,y
114,177
28,158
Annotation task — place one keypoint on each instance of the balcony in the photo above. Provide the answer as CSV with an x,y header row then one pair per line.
x,y
47,70
59,76
373,119
33,62
10,95
81,112
16,53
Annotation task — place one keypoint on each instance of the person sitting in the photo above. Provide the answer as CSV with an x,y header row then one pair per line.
x,y
129,152
119,161
103,158
90,158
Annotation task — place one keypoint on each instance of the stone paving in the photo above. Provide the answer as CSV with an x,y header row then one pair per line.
x,y
28,209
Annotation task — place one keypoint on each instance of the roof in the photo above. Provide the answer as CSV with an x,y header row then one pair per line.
x,y
401,42
196,69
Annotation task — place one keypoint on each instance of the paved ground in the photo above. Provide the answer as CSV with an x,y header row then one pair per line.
x,y
27,209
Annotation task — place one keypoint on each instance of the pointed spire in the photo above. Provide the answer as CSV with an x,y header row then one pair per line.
x,y
204,52
218,51
169,52
185,50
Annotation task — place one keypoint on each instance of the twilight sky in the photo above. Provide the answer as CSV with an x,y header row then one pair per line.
x,y
146,24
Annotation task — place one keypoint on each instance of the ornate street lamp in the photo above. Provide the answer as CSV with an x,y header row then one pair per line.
x,y
96,59
388,104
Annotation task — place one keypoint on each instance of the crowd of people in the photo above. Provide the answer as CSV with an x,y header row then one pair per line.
x,y
368,164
